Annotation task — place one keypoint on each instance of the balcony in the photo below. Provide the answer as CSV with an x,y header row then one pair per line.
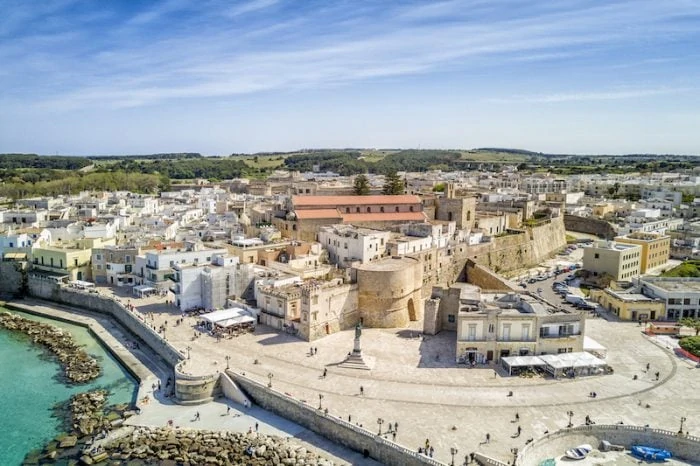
x,y
560,335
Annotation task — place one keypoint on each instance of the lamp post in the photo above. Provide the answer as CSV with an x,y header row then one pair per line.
x,y
320,401
453,452
680,430
380,421
189,348
269,378
227,358
570,414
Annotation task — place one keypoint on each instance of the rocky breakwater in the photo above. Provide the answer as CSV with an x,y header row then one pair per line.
x,y
78,366
86,421
179,446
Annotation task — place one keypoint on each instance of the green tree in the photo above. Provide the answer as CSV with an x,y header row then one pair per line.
x,y
692,323
361,185
439,188
393,184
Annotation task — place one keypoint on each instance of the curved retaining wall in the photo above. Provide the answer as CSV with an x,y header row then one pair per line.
x,y
331,427
684,447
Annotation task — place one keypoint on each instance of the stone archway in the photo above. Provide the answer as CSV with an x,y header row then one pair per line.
x,y
411,311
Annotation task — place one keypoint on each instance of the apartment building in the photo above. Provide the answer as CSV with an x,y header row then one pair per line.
x,y
680,295
656,248
491,326
620,261
205,284
347,244
114,265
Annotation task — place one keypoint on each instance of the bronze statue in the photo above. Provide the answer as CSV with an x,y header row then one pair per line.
x,y
358,330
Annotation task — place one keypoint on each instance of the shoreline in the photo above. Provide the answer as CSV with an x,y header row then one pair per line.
x,y
148,368
77,366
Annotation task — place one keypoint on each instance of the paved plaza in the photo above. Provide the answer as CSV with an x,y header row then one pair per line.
x,y
416,383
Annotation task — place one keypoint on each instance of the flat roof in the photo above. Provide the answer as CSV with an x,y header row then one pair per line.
x,y
674,284
384,217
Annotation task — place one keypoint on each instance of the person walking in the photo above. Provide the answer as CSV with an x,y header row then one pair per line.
x,y
256,427
520,429
488,438
517,417
228,410
362,390
325,373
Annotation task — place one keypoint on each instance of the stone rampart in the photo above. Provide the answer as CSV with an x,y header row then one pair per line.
x,y
487,280
592,226
684,447
331,427
12,273
52,291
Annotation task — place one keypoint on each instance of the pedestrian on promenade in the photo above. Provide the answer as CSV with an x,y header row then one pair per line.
x,y
362,390
647,367
325,373
394,435
520,429
349,417
256,427
432,450
488,438
228,409
657,376
396,426
315,350
517,417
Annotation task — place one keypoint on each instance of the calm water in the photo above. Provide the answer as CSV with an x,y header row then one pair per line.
x,y
29,389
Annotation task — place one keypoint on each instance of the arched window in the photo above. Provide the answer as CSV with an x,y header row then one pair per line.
x,y
347,210
411,208
381,209
369,210
357,210
396,208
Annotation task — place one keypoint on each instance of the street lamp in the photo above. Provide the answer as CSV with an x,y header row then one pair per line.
x,y
269,378
189,348
453,452
227,358
320,400
380,421
683,419
570,414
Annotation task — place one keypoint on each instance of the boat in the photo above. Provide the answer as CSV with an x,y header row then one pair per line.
x,y
650,453
580,452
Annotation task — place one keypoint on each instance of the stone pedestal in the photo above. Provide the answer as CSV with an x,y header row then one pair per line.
x,y
355,360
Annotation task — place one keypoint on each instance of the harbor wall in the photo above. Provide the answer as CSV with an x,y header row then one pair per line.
x,y
331,427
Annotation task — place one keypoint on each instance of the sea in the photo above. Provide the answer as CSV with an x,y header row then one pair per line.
x,y
30,388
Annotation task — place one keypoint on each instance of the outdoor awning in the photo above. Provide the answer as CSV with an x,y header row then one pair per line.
x,y
82,284
228,317
15,256
523,361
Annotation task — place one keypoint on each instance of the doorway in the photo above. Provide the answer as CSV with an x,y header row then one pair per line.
x,y
411,311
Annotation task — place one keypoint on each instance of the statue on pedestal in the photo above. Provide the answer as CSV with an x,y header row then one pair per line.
x,y
358,331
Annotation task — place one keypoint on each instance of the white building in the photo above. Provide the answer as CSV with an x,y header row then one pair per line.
x,y
346,244
681,295
618,260
205,285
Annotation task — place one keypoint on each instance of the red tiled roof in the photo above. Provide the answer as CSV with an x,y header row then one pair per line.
x,y
317,213
311,201
385,217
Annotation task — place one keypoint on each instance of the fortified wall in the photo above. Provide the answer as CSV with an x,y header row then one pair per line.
x,y
12,275
331,427
592,226
188,389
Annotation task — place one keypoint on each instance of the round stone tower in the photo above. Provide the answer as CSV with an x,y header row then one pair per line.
x,y
389,292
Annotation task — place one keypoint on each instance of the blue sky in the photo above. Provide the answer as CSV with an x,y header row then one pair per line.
x,y
216,77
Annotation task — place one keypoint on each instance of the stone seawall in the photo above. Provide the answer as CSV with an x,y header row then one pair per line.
x,y
331,427
51,291
681,446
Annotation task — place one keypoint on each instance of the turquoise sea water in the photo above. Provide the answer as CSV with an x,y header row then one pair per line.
x,y
29,389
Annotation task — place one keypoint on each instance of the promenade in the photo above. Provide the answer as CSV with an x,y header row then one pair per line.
x,y
415,383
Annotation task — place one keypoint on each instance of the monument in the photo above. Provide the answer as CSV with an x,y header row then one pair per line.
x,y
354,359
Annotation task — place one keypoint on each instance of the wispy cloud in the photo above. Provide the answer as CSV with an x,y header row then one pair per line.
x,y
178,49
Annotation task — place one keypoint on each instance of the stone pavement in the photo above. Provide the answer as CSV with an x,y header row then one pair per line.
x,y
416,383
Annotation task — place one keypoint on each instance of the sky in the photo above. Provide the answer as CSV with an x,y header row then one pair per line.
x,y
225,76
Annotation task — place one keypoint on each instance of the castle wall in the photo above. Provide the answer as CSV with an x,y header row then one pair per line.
x,y
592,226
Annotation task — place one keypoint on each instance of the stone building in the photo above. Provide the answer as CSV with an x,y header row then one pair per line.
x,y
389,292
491,326
618,260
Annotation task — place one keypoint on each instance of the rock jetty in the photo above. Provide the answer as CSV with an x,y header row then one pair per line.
x,y
178,446
78,366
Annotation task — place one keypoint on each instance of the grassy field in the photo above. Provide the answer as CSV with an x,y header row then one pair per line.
x,y
686,269
490,156
264,161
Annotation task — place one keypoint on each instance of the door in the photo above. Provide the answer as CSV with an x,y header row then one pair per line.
x,y
80,275
489,355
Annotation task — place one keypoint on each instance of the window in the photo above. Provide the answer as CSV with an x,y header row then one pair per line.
x,y
369,210
381,209
127,268
491,328
472,332
596,256
99,267
451,318
506,332
108,267
127,259
98,257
